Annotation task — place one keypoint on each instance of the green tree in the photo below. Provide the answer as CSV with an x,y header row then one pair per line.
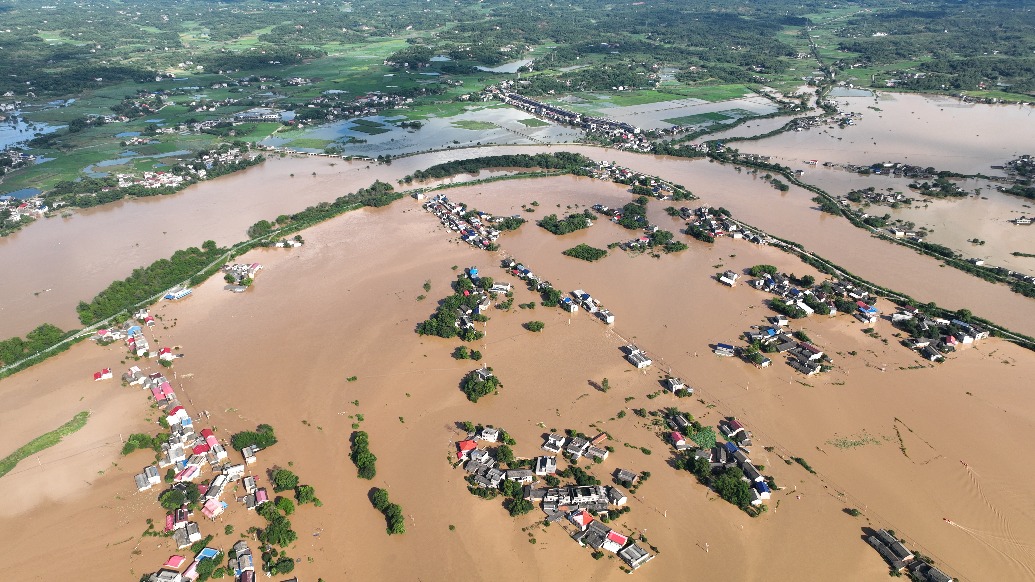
x,y
759,270
305,494
172,499
284,480
278,532
518,507
380,499
731,486
285,504
511,488
535,326
504,454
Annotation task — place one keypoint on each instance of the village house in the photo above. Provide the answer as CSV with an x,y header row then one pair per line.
x,y
637,357
545,465
489,434
554,443
576,447
635,556
626,476
523,476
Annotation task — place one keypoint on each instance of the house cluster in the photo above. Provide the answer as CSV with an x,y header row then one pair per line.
x,y
615,215
186,454
34,207
874,196
258,114
152,180
577,447
900,559
828,299
895,169
735,452
12,159
933,337
596,534
624,135
239,276
242,563
535,283
716,224
580,298
578,503
660,189
474,228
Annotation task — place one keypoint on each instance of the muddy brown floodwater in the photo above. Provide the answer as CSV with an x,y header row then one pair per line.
x,y
884,431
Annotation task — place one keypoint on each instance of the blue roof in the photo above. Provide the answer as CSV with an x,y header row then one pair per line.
x,y
761,487
724,346
730,447
770,331
206,553
187,422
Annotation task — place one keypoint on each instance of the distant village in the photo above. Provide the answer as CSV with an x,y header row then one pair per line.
x,y
931,337
477,229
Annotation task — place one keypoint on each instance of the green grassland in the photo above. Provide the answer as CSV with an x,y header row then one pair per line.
x,y
309,143
42,442
698,118
533,122
473,124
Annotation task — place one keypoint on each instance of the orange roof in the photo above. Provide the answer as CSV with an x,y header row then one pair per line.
x,y
582,518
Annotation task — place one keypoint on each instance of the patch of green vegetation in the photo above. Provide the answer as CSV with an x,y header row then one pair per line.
x,y
42,442
533,122
369,129
586,253
309,143
698,118
854,441
473,125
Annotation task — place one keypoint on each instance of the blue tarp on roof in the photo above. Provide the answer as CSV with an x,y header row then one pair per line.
x,y
730,447
761,487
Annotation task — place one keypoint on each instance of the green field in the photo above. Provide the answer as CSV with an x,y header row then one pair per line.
x,y
42,442
473,125
370,129
533,122
309,143
697,119
367,123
